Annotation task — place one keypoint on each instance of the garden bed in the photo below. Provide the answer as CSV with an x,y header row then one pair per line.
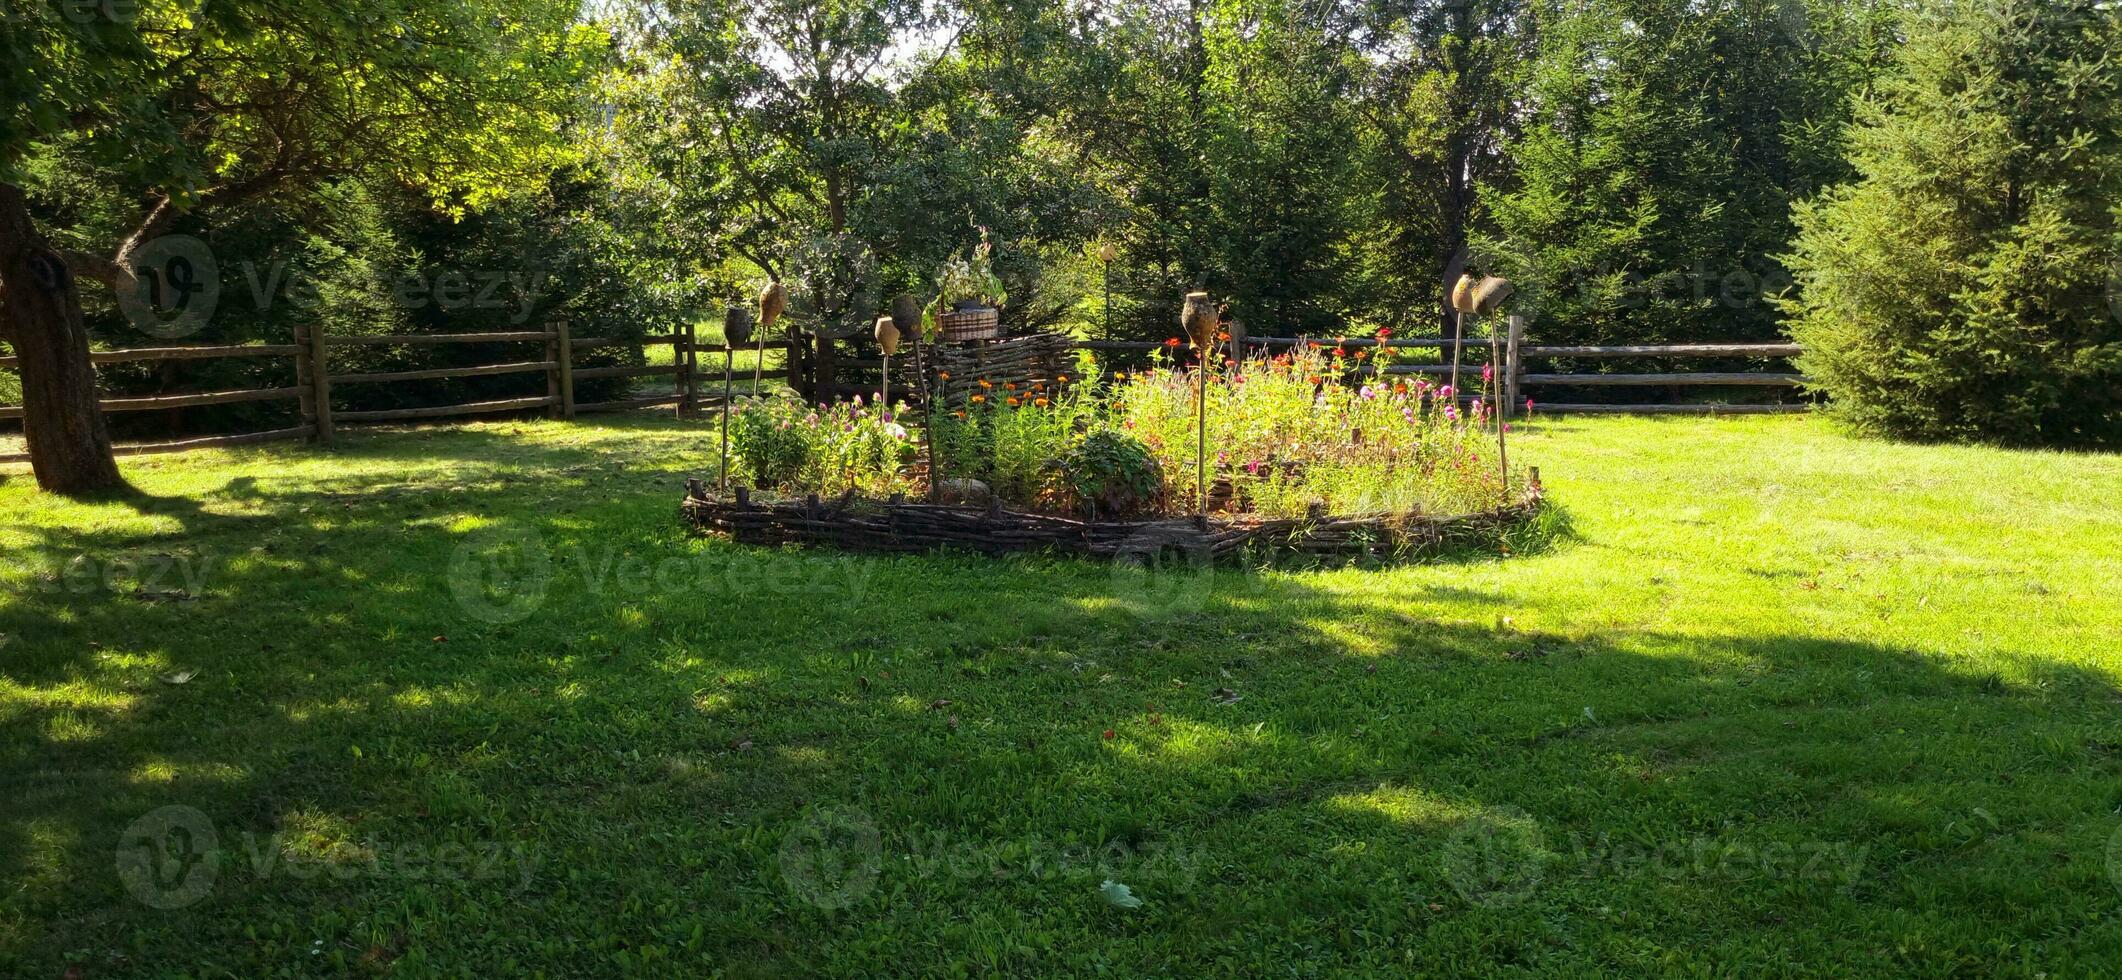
x,y
855,523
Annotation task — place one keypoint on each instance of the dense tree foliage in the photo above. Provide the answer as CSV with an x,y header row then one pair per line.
x,y
1643,167
1966,285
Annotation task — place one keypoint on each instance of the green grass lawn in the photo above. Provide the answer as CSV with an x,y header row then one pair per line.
x,y
468,701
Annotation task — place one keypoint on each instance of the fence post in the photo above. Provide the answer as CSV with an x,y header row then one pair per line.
x,y
1513,366
566,347
792,354
822,374
688,358
320,376
553,344
305,385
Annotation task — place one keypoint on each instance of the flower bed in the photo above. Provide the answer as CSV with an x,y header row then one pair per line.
x,y
853,523
1298,460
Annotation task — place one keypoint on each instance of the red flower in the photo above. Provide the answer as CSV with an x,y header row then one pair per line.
x,y
1172,342
1385,333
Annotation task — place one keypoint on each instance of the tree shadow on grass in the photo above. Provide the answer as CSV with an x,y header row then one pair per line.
x,y
379,668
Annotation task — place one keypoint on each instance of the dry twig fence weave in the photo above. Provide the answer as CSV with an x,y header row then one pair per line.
x,y
897,525
315,382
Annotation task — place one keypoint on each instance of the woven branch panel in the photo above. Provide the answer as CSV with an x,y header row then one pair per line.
x,y
1041,358
857,524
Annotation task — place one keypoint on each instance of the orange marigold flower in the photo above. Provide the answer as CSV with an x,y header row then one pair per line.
x,y
1222,335
977,399
1011,403
959,414
984,383
1315,379
1171,342
1041,402
1062,378
945,375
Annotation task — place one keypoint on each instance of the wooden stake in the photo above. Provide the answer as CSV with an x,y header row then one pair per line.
x,y
1201,436
727,365
1458,344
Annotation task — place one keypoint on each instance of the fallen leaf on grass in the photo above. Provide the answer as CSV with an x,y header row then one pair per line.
x,y
177,676
1118,895
1225,695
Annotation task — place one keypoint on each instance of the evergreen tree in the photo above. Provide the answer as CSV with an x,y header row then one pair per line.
x,y
1962,288
1662,145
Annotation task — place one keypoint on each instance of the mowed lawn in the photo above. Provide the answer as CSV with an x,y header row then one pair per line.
x,y
470,702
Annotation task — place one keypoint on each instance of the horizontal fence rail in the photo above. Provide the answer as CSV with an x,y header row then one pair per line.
x,y
812,374
315,380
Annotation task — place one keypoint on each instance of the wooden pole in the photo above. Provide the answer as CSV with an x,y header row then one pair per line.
x,y
727,365
1201,433
553,343
567,369
304,382
884,386
759,366
1495,371
1458,345
1514,363
689,364
320,375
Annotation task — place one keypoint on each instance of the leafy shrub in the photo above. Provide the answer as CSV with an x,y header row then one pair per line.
x,y
1962,288
782,444
1107,474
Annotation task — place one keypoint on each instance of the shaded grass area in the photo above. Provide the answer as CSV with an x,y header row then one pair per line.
x,y
469,700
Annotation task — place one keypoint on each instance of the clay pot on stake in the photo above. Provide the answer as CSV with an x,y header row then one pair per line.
x,y
887,341
1200,318
736,328
772,301
1462,304
1489,298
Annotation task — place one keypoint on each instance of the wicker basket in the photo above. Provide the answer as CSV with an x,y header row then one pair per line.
x,y
975,323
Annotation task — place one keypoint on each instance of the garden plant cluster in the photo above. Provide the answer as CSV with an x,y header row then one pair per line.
x,y
1321,428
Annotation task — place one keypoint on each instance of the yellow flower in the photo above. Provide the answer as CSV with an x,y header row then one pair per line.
x,y
984,383
1041,402
1120,376
945,375
977,399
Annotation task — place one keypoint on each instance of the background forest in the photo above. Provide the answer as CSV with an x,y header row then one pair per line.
x,y
1641,167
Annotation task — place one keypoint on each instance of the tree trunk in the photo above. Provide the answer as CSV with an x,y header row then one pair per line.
x,y
40,314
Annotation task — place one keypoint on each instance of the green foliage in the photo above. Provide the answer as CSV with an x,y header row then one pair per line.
x,y
1108,474
1652,195
780,444
1965,286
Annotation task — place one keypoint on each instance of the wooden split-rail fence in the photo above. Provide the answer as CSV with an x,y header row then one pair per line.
x,y
552,352
1519,362
813,376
